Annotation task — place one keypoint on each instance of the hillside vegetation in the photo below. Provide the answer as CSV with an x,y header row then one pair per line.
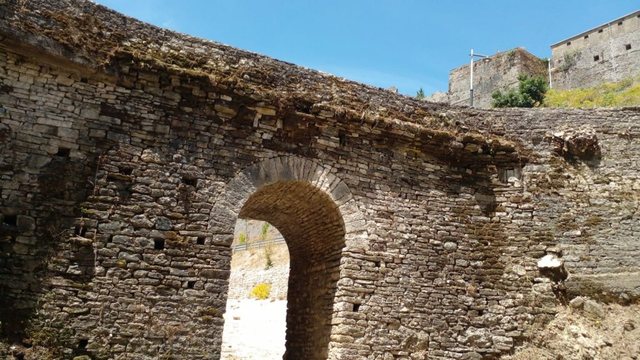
x,y
613,94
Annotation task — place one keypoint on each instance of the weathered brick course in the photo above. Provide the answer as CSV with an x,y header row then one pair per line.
x,y
129,152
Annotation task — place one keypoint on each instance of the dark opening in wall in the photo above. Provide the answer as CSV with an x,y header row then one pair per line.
x,y
343,138
158,244
63,152
504,174
200,240
191,284
600,30
356,307
568,43
82,344
620,23
377,263
80,230
627,46
11,220
189,181
586,36
596,57
125,170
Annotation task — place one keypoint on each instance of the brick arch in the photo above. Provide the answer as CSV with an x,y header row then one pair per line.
x,y
317,215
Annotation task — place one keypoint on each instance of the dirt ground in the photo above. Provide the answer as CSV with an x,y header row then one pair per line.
x,y
254,330
585,331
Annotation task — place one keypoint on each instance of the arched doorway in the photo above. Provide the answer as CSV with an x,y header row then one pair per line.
x,y
316,214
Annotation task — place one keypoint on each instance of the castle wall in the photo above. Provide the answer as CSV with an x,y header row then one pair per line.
x,y
123,176
156,162
498,72
607,53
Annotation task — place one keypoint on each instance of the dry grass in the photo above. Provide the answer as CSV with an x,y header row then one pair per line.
x,y
613,94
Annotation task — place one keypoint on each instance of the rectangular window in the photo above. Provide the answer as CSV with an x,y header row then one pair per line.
x,y
627,46
596,58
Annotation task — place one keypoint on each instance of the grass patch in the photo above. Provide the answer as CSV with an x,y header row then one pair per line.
x,y
612,94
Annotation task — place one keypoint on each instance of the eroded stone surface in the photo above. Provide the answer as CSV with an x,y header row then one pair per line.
x,y
415,228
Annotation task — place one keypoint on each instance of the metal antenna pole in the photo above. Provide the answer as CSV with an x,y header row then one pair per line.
x,y
471,79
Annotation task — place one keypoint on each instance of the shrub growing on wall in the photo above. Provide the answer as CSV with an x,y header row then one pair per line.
x,y
530,93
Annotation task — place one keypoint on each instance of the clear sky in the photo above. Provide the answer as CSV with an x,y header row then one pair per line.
x,y
408,44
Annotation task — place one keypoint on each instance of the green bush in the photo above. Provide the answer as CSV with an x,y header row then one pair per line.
x,y
264,231
242,238
530,93
261,291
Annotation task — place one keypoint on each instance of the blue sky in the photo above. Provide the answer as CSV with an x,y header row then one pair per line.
x,y
404,43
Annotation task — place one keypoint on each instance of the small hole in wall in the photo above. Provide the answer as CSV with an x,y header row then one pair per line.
x,y
11,220
586,36
627,46
125,170
158,244
189,181
377,263
620,23
596,57
191,284
80,230
200,240
600,30
356,307
568,43
504,174
342,136
63,152
82,344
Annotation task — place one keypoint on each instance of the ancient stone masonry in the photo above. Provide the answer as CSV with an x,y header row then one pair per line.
x,y
128,153
497,72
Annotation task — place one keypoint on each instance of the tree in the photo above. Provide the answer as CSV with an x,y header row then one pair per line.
x,y
420,94
530,93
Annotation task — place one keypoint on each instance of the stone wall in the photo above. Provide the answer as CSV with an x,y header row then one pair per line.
x,y
498,72
610,52
414,229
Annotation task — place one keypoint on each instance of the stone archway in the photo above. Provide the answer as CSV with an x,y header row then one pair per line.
x,y
316,213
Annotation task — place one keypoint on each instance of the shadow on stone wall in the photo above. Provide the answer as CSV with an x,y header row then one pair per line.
x,y
34,234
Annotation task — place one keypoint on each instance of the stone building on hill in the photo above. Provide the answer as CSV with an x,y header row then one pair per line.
x,y
497,72
609,52
605,53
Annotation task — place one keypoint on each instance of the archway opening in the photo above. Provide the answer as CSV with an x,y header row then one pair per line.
x,y
314,231
255,316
